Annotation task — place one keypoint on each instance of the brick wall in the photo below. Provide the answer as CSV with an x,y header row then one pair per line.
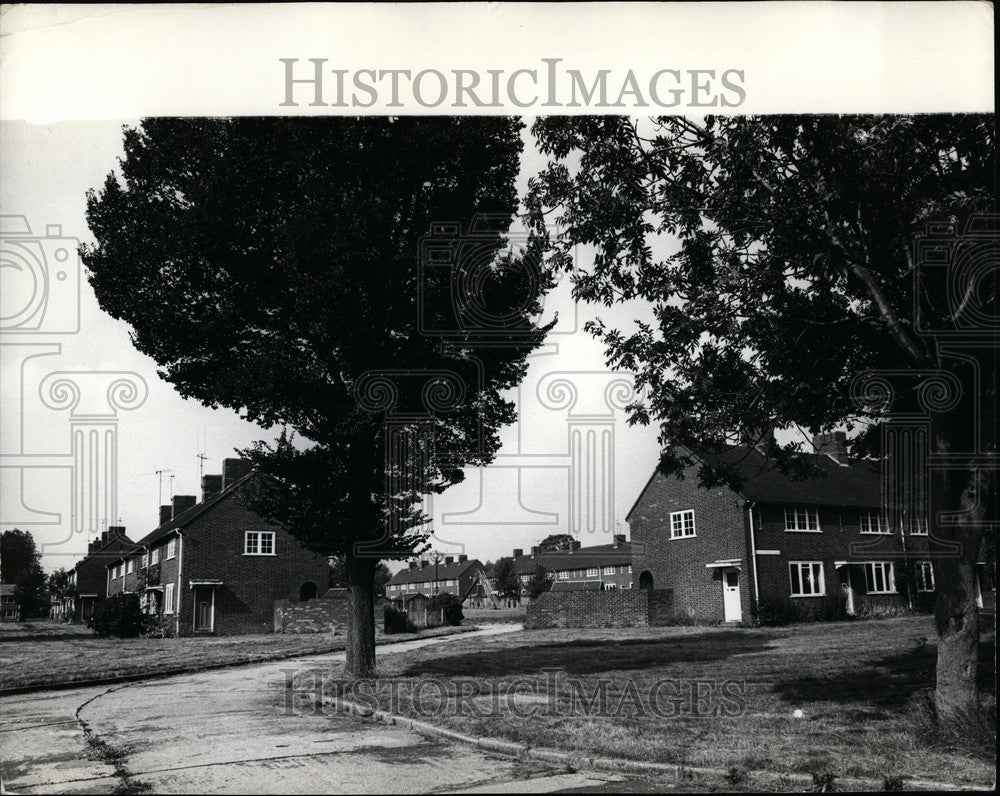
x,y
314,616
679,564
618,608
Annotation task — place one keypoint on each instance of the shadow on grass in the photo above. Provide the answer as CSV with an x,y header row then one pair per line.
x,y
885,682
592,657
36,637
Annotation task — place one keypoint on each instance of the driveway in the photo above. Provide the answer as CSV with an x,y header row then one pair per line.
x,y
229,731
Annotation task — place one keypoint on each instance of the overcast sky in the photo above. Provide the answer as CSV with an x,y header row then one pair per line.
x,y
45,172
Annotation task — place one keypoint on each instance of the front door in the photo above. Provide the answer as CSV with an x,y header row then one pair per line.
x,y
204,609
731,595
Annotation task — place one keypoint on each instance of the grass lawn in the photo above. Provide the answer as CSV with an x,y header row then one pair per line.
x,y
44,652
861,687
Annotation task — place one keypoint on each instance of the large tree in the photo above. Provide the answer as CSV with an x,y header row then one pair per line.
x,y
20,562
779,255
346,279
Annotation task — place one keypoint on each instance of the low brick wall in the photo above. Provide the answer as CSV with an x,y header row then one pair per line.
x,y
617,608
325,615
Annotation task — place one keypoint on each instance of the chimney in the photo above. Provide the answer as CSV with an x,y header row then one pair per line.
x,y
463,558
165,512
536,550
104,538
116,531
424,564
448,560
575,545
619,539
210,485
182,503
233,470
414,564
834,444
518,552
756,437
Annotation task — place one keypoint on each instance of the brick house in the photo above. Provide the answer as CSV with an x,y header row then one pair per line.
x,y
10,611
599,567
87,582
451,575
215,567
725,552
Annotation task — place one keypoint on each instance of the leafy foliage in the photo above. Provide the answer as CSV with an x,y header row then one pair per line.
x,y
447,606
539,583
21,566
508,585
120,616
395,620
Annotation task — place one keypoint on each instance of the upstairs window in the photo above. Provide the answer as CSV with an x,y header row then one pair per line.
x,y
592,572
154,555
800,518
873,522
919,528
172,548
563,574
129,566
608,570
259,543
681,524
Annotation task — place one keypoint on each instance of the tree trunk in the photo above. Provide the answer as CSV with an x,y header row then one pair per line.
x,y
360,572
956,610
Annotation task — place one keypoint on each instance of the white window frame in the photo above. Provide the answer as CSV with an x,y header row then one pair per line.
x,y
172,548
610,586
168,598
563,574
593,572
919,528
154,556
129,566
258,538
608,571
925,568
679,526
888,570
812,567
794,513
869,519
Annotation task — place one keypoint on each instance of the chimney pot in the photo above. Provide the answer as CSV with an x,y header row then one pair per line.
x,y
210,485
182,503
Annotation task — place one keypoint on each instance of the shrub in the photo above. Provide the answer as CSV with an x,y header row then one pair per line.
x,y
785,610
396,621
447,606
119,616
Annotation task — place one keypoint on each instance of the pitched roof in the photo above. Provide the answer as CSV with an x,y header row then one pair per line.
x,y
577,585
581,558
452,571
857,483
185,517
126,548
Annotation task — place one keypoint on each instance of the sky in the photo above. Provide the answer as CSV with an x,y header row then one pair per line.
x,y
62,357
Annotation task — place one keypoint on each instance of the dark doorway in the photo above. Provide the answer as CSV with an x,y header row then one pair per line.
x,y
646,579
307,591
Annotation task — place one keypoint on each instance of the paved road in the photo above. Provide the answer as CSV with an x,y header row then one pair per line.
x,y
229,731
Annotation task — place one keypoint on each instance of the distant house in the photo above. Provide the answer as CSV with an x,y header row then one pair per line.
x,y
458,576
599,567
86,584
214,566
10,611
724,552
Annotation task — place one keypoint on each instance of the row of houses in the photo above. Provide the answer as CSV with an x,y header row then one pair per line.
x,y
211,566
